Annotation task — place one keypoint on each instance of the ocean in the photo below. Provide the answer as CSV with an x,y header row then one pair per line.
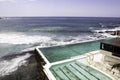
x,y
19,34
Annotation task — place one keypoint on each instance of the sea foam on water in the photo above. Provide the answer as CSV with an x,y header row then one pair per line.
x,y
8,66
20,38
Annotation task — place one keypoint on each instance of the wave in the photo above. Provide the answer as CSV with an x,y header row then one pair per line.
x,y
21,38
41,40
60,30
8,66
107,30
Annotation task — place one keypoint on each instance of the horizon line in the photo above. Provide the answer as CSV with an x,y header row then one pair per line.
x,y
65,16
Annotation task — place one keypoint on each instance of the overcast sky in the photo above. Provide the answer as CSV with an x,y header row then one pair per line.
x,y
81,8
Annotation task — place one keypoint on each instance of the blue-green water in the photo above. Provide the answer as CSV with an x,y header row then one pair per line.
x,y
59,53
76,71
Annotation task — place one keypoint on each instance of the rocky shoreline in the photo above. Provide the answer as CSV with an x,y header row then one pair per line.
x,y
29,71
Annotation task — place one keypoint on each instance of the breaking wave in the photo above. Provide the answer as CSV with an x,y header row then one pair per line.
x,y
60,30
20,38
41,40
106,30
8,66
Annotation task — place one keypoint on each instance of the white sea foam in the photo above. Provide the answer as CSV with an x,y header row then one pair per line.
x,y
8,66
20,38
43,41
104,30
107,32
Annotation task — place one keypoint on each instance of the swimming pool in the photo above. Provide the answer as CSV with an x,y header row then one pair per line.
x,y
63,52
76,71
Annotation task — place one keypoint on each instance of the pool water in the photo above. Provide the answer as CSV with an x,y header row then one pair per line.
x,y
59,53
76,71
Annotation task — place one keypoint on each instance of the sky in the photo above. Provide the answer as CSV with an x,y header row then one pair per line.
x,y
77,8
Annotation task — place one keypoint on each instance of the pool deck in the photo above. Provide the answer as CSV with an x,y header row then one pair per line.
x,y
105,63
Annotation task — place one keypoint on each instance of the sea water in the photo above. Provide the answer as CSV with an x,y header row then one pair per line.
x,y
23,33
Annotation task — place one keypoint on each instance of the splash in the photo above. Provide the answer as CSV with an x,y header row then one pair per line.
x,y
8,66
39,40
106,30
20,38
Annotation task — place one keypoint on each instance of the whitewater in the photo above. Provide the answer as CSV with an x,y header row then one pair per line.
x,y
8,66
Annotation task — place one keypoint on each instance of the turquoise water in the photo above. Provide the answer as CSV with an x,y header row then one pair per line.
x,y
58,53
76,71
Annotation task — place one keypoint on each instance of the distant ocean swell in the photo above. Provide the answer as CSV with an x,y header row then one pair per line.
x,y
74,29
53,30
